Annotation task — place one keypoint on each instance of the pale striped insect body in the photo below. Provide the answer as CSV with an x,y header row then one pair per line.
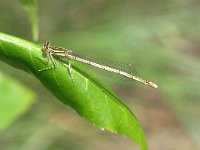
x,y
61,53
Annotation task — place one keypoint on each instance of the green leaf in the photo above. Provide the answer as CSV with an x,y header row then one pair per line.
x,y
88,96
31,8
14,100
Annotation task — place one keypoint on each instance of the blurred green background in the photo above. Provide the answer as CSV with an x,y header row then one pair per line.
x,y
160,38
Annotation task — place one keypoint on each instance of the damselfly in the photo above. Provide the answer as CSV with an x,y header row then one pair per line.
x,y
61,53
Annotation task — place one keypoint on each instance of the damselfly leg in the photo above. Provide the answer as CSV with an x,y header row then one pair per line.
x,y
49,57
69,68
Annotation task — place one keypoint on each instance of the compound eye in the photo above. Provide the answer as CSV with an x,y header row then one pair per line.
x,y
47,43
46,46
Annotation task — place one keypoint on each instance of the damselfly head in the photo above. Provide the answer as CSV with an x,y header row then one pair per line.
x,y
46,47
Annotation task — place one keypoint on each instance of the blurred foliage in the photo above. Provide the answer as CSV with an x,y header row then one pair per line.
x,y
160,38
15,100
32,9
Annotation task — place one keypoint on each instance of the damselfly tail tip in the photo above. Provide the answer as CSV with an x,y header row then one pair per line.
x,y
153,85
